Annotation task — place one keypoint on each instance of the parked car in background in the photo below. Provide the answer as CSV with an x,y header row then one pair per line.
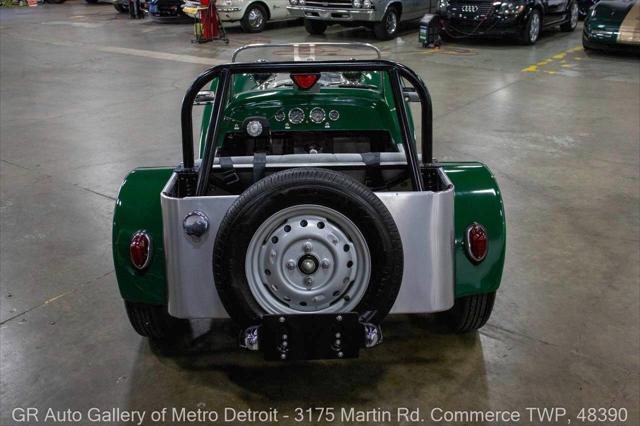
x,y
252,15
166,9
522,19
613,25
383,16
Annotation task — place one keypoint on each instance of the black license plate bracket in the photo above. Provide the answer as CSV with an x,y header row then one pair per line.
x,y
311,336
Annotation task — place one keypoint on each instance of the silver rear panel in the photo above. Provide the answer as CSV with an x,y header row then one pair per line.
x,y
424,220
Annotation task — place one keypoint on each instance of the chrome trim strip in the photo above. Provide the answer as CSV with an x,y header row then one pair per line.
x,y
425,221
326,13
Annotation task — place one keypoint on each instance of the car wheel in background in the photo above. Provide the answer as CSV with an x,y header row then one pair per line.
x,y
315,27
388,27
469,313
532,29
572,18
254,19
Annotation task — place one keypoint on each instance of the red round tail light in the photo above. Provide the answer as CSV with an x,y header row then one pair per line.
x,y
140,250
477,242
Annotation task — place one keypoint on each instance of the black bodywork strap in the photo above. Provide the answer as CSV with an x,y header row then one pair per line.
x,y
229,175
373,177
259,165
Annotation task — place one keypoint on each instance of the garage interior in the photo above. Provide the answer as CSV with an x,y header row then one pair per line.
x,y
87,96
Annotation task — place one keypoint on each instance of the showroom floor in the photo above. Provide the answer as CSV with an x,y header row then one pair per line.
x,y
88,95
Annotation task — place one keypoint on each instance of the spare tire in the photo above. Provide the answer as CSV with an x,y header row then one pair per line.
x,y
307,240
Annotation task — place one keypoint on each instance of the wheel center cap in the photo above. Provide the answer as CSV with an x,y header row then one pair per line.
x,y
308,264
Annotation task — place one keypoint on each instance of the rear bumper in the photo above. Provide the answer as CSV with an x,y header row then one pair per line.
x,y
337,14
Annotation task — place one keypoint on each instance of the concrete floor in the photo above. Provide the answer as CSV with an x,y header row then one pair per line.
x,y
88,95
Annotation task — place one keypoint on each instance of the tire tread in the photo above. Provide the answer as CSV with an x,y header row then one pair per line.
x,y
153,321
469,313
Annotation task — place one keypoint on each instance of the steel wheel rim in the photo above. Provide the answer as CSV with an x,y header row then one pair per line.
x,y
391,23
255,18
534,31
574,14
308,258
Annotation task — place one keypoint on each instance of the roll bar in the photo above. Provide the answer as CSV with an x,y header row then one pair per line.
x,y
224,73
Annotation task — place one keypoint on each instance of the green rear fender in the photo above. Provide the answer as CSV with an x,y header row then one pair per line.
x,y
138,208
478,199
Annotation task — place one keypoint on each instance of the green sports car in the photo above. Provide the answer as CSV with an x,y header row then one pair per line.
x,y
309,214
614,25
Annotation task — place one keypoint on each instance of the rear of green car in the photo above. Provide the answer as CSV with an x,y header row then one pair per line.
x,y
250,230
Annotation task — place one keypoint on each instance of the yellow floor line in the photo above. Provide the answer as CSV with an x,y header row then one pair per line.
x,y
558,57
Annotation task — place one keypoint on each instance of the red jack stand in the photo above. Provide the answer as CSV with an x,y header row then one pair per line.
x,y
208,26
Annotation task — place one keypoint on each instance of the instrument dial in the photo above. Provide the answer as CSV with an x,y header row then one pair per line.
x,y
296,115
334,115
280,116
317,115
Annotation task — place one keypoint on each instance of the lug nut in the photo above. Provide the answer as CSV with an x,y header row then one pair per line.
x,y
285,337
325,263
307,247
291,264
283,356
308,280
339,318
340,355
281,319
338,342
338,335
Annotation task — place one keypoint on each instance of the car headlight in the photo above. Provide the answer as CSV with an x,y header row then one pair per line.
x,y
293,2
366,4
301,2
357,4
510,8
228,2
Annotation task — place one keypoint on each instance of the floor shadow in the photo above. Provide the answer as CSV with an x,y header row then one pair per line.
x,y
416,363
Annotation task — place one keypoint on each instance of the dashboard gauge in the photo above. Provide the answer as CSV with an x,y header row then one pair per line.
x,y
296,115
317,115
280,116
334,115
